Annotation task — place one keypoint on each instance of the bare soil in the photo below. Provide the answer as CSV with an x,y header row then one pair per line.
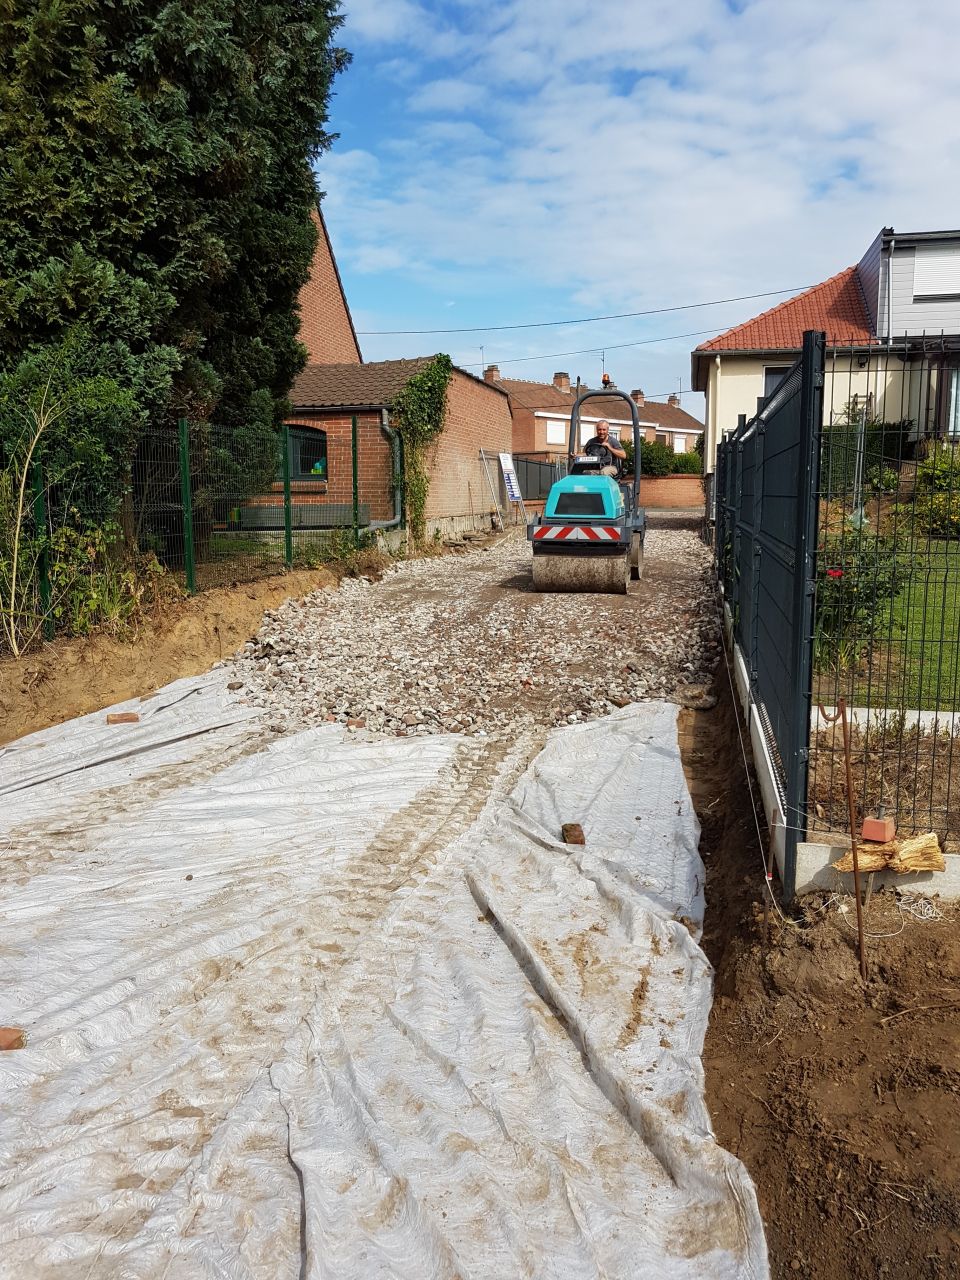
x,y
918,769
842,1098
73,677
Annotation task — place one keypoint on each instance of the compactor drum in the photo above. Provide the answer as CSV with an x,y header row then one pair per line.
x,y
590,536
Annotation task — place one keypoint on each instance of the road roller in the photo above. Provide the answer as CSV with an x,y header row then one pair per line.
x,y
590,536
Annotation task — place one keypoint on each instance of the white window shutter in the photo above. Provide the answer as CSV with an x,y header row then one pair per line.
x,y
936,271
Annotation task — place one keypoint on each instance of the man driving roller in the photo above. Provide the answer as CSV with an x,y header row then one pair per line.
x,y
606,450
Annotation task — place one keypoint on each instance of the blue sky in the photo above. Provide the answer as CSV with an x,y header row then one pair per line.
x,y
509,161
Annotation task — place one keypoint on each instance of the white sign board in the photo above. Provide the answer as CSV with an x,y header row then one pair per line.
x,y
511,483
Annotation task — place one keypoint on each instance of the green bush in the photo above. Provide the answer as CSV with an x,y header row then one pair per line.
x,y
687,464
936,511
940,473
883,479
938,515
885,445
858,578
655,459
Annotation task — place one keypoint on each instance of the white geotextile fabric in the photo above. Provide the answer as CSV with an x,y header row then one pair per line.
x,y
375,1033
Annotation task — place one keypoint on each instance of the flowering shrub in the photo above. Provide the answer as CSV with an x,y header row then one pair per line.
x,y
937,507
858,578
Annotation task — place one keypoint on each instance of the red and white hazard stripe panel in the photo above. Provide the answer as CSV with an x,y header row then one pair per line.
x,y
576,533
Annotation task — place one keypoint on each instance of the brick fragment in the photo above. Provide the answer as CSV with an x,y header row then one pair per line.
x,y
123,717
572,833
880,829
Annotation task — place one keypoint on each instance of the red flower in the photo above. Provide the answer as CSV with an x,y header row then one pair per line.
x,y
834,573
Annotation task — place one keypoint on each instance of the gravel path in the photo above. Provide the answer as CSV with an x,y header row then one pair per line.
x,y
461,643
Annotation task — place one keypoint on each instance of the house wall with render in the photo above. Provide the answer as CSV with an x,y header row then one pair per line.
x,y
890,389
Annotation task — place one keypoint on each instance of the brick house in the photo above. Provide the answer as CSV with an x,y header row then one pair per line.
x,y
325,398
326,326
541,416
336,385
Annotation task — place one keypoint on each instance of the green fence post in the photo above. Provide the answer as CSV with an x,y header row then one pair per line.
x,y
287,509
186,500
356,483
43,561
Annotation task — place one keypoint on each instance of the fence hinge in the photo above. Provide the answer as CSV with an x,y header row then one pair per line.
x,y
818,377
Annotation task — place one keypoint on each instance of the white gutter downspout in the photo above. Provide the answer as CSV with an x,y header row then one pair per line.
x,y
715,412
893,245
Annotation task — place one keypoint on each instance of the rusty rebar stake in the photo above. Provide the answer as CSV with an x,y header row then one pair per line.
x,y
854,847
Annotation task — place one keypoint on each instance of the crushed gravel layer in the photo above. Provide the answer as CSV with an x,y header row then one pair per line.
x,y
463,644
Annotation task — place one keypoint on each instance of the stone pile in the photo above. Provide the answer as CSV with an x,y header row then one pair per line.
x,y
462,644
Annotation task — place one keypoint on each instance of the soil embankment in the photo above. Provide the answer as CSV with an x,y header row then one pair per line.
x,y
842,1098
73,677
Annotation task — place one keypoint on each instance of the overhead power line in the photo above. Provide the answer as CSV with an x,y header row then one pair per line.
x,y
587,351
549,324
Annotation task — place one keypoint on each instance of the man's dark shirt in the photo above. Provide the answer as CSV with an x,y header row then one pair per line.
x,y
595,448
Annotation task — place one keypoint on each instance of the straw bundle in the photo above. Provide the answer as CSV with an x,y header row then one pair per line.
x,y
918,853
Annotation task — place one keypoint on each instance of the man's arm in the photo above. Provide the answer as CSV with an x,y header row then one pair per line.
x,y
616,449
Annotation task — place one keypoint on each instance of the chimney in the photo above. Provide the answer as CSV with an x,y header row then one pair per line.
x,y
637,397
562,381
673,399
491,373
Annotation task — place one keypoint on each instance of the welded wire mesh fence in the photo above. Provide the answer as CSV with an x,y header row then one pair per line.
x,y
887,615
884,578
202,506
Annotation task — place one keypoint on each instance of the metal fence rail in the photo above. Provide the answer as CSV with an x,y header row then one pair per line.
x,y
765,540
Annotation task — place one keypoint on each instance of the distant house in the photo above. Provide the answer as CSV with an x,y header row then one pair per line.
x,y
905,291
541,416
325,399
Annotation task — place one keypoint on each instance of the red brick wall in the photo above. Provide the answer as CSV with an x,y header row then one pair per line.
x,y
477,417
662,492
374,466
325,328
524,430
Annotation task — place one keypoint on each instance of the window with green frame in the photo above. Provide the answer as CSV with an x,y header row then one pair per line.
x,y
308,453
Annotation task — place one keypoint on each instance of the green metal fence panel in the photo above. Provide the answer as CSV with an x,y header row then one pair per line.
x,y
186,499
287,514
44,588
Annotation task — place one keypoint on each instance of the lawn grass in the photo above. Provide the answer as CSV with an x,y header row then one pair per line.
x,y
925,636
911,661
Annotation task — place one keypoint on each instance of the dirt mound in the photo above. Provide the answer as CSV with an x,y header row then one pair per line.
x,y
73,677
842,1098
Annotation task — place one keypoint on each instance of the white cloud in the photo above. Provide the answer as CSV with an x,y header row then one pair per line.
x,y
382,21
446,95
653,153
